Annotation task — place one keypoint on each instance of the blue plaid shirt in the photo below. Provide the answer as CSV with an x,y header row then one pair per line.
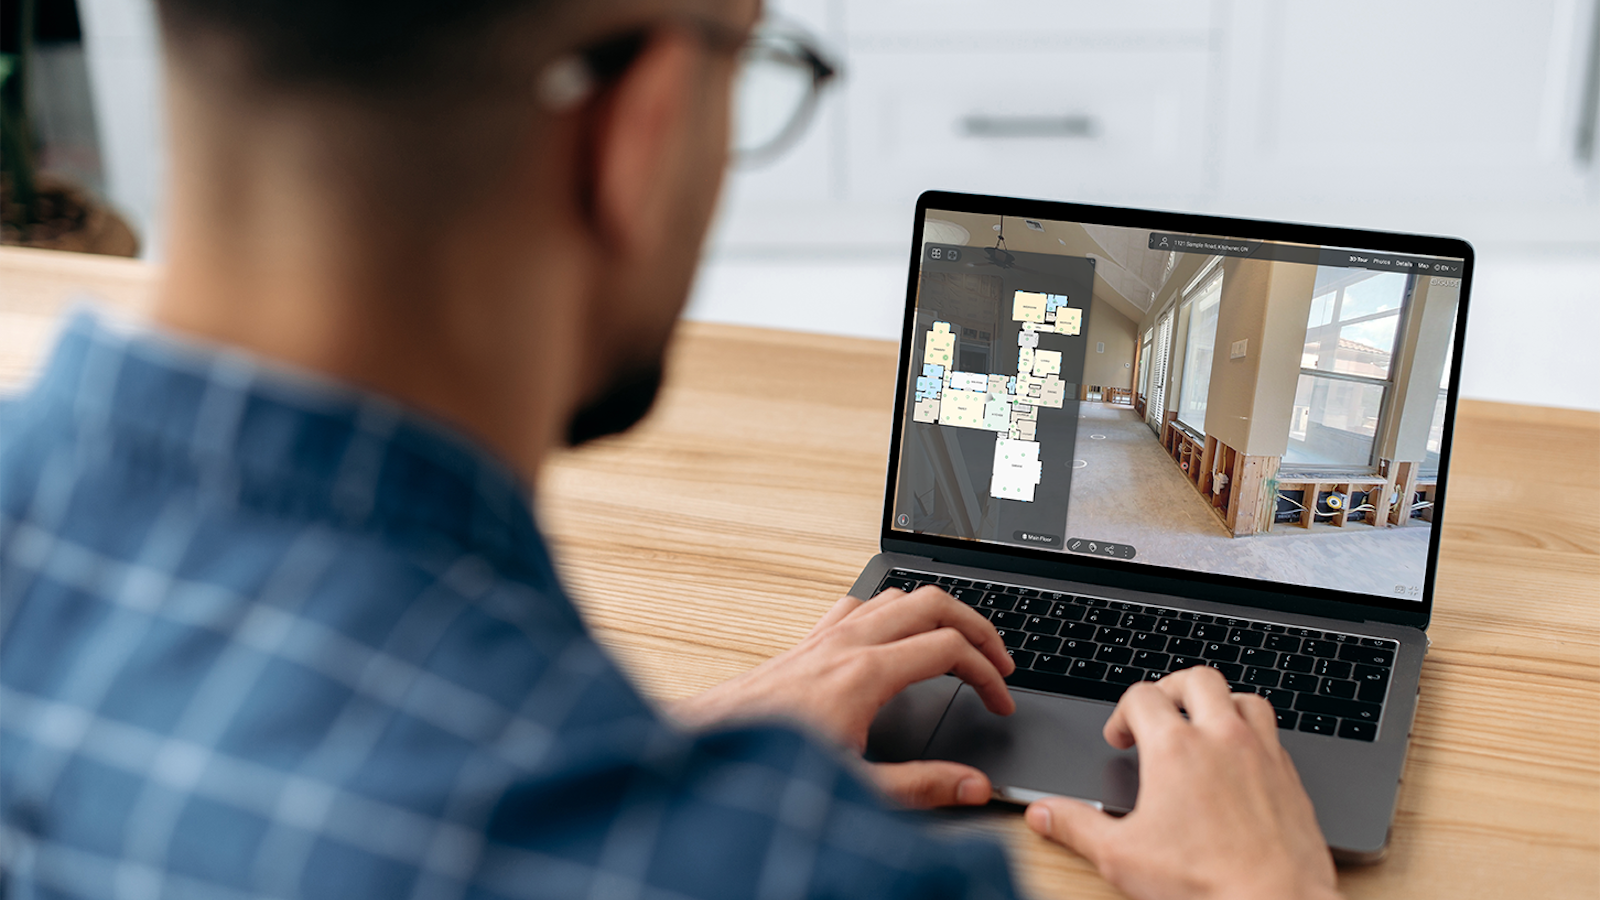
x,y
265,637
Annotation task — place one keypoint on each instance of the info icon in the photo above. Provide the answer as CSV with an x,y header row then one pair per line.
x,y
902,520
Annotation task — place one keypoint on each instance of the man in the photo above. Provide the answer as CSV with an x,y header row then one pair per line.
x,y
277,619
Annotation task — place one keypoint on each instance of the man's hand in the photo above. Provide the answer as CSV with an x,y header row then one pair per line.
x,y
858,657
1220,813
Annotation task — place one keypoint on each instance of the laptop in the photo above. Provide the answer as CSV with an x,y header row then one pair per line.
x,y
1141,441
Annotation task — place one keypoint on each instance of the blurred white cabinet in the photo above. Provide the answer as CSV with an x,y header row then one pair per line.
x,y
1428,114
1098,125
1412,102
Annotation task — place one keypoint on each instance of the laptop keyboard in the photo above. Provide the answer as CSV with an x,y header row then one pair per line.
x,y
1320,682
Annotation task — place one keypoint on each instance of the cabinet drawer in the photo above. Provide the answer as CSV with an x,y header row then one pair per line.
x,y
1095,125
937,18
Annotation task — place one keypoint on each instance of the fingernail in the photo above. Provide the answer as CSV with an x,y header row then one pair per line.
x,y
1039,818
971,792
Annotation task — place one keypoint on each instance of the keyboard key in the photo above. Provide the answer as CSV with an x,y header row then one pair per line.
x,y
1320,648
1031,606
951,581
1053,596
1173,627
1087,668
1041,625
990,599
1267,627
1124,675
1358,731
1231,671
907,573
1372,691
1045,643
1278,697
1082,631
1007,619
1283,643
904,584
1049,662
1371,674
1286,718
1137,622
1332,668
1012,638
1220,651
1023,658
1207,632
1118,636
969,595
1117,655
1064,684
1077,649
1235,623
1292,662
1380,643
1317,724
1149,659
1061,609
1335,687
1244,637
1154,674
1196,617
1092,601
1241,688
1341,638
1148,640
1253,656
1332,706
1367,656
1186,646
1262,677
1108,617
1295,681
1022,591
1305,633
1179,663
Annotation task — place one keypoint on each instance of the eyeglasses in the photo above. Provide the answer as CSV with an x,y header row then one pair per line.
x,y
780,78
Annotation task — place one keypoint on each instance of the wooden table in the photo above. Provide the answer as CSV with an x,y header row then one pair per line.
x,y
714,535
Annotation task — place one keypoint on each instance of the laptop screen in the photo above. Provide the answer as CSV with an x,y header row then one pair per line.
x,y
1235,406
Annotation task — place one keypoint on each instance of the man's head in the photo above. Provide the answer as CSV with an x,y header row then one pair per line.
x,y
490,208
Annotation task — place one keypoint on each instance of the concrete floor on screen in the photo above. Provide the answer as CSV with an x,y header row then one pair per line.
x,y
1126,489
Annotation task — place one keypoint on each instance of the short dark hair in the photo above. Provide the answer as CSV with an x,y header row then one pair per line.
x,y
352,43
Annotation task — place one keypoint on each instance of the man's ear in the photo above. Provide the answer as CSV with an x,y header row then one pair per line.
x,y
641,142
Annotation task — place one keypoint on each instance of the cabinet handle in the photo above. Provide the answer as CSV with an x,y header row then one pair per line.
x,y
995,126
1591,94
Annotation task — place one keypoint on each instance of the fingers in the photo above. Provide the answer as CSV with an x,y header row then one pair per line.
x,y
1260,716
924,610
939,651
925,784
1148,707
1073,824
1142,713
844,607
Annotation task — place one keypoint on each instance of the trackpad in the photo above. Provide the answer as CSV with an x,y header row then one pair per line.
x,y
1051,744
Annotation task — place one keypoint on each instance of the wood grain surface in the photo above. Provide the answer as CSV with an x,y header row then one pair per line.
x,y
714,535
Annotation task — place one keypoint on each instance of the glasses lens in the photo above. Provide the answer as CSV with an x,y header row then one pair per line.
x,y
773,94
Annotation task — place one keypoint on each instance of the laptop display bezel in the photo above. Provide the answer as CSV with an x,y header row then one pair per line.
x,y
1143,576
